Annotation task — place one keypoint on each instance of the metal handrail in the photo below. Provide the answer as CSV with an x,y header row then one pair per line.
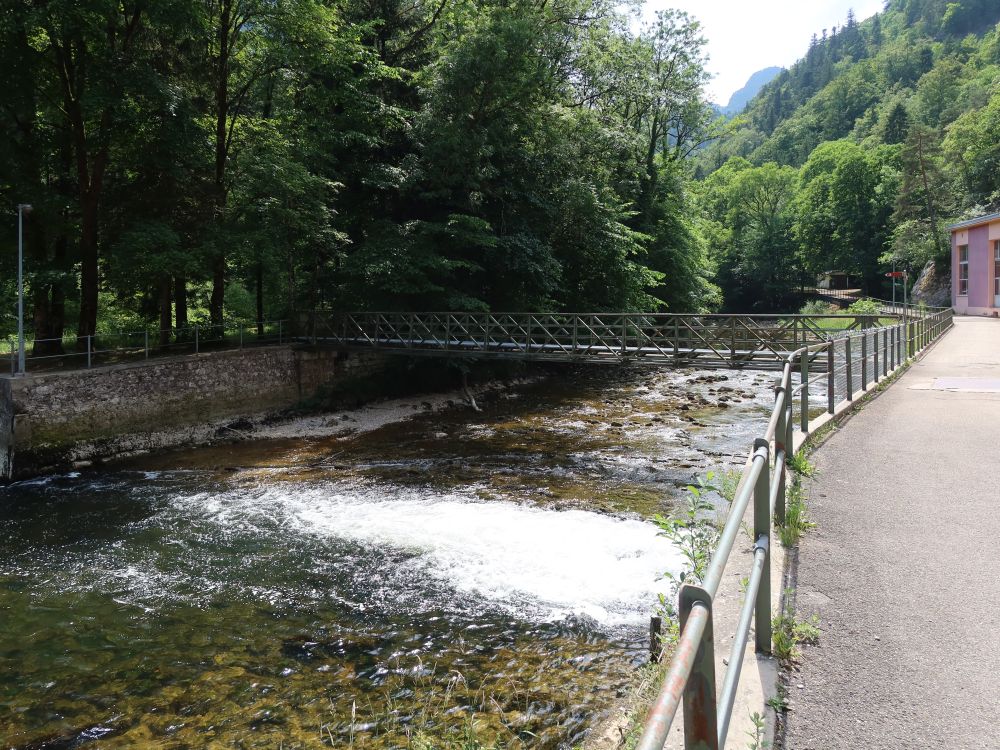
x,y
690,676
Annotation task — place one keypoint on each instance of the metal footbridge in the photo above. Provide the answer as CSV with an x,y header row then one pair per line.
x,y
729,341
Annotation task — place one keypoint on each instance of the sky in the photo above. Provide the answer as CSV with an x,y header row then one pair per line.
x,y
745,36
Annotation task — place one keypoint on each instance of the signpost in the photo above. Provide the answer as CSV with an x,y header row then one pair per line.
x,y
896,275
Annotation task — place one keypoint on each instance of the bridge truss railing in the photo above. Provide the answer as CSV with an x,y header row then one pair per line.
x,y
856,362
759,341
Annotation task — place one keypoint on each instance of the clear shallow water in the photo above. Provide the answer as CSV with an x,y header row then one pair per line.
x,y
413,581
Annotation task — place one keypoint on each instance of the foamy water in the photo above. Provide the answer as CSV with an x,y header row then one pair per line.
x,y
535,562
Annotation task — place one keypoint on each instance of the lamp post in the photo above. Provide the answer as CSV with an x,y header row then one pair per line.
x,y
22,209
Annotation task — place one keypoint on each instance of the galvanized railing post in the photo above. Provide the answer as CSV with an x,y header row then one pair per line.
x,y
732,342
196,338
241,335
875,362
677,339
146,342
864,361
831,379
780,446
700,711
762,534
527,343
892,349
885,352
804,393
850,368
279,332
90,340
624,336
789,422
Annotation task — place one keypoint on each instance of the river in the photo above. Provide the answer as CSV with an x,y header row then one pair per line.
x,y
351,581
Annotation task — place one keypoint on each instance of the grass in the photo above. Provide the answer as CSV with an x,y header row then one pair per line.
x,y
799,463
694,533
788,633
796,519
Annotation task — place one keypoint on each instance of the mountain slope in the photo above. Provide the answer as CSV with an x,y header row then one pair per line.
x,y
920,60
754,84
858,156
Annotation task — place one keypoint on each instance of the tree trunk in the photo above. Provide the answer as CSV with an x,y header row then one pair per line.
x,y
180,302
221,155
260,298
57,308
218,289
43,345
88,266
165,310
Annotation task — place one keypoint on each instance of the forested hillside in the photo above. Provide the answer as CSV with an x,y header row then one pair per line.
x,y
219,160
860,153
235,160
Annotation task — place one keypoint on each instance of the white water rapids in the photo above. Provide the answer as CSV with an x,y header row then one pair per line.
x,y
534,562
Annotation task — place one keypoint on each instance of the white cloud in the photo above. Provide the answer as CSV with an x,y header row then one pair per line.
x,y
744,37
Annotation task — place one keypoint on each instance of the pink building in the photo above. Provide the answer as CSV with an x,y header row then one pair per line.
x,y
975,266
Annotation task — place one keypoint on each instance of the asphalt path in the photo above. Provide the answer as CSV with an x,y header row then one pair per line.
x,y
903,567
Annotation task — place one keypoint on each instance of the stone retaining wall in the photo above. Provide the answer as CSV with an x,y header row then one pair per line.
x,y
61,418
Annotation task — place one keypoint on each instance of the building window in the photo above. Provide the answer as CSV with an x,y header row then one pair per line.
x,y
963,270
996,272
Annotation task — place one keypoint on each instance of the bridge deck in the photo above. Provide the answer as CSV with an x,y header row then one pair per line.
x,y
750,341
902,567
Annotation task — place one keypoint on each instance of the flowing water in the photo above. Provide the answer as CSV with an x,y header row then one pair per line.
x,y
454,573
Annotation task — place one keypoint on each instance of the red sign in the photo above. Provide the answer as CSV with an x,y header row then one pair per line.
x,y
894,275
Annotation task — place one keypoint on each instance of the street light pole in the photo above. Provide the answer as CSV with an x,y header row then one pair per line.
x,y
22,209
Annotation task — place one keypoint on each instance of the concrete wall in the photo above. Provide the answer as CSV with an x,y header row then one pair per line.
x,y
6,428
81,415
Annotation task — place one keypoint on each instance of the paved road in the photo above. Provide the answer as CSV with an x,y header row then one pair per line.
x,y
904,565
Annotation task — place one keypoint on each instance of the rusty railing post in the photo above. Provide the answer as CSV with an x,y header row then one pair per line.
x,y
700,715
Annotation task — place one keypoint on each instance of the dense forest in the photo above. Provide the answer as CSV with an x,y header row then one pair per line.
x,y
219,160
215,161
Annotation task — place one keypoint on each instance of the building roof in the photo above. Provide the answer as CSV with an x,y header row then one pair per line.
x,y
974,222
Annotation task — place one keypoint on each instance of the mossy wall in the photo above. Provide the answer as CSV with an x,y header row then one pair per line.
x,y
63,417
